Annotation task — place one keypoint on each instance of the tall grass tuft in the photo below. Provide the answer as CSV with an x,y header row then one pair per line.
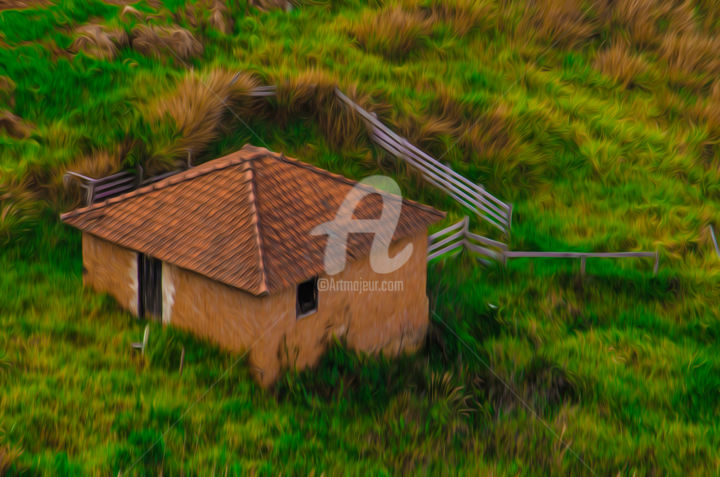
x,y
19,208
619,63
13,125
8,457
199,109
7,91
156,41
311,95
492,134
464,15
267,5
98,41
691,53
394,32
213,14
637,18
562,23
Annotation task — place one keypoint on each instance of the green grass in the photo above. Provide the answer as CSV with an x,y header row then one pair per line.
x,y
527,369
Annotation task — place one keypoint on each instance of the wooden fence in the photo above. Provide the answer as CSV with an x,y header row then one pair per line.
x,y
467,193
583,256
457,237
103,188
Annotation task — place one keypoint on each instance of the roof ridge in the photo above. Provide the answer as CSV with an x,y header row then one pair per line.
x,y
171,181
252,199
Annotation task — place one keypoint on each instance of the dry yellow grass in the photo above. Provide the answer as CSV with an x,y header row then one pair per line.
x,y
206,14
17,4
220,17
394,32
691,53
19,208
311,94
561,23
98,41
199,109
130,11
266,5
464,15
156,40
14,125
620,63
98,164
7,91
638,18
492,134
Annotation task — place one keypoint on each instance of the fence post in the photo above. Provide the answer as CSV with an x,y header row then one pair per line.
x,y
582,266
90,193
657,262
182,360
712,236
466,226
509,218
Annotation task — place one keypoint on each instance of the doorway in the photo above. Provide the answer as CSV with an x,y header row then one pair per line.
x,y
149,287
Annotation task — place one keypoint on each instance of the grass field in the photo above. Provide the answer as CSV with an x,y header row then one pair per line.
x,y
598,120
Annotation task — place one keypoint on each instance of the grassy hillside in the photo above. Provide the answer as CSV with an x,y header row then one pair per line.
x,y
598,120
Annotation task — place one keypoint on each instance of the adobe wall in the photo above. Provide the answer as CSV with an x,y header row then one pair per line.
x,y
111,269
379,321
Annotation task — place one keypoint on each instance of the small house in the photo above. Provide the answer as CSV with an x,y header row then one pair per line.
x,y
226,250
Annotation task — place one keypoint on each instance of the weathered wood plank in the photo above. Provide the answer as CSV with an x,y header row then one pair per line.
x,y
443,181
436,245
445,250
447,230
513,254
485,240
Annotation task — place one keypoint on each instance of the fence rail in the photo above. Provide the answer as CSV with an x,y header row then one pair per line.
x,y
583,256
467,193
105,187
457,237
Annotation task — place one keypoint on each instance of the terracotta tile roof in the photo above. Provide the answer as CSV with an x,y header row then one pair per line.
x,y
243,219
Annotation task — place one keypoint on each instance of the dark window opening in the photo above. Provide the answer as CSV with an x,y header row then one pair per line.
x,y
149,287
307,297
